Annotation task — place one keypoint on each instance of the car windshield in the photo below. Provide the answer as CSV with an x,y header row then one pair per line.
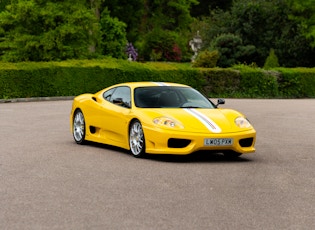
x,y
170,97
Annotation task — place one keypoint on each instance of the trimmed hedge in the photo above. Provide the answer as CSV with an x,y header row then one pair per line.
x,y
70,78
297,83
257,82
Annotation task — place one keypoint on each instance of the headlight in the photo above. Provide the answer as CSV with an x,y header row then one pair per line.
x,y
166,121
242,122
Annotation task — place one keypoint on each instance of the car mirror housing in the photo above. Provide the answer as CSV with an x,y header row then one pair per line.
x,y
221,101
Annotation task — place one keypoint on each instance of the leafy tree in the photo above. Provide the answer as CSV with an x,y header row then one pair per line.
x,y
264,24
129,12
160,45
231,50
3,4
96,7
168,14
304,12
204,7
113,36
144,17
40,30
219,22
164,29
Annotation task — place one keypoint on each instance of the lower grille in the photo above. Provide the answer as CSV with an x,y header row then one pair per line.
x,y
247,142
178,143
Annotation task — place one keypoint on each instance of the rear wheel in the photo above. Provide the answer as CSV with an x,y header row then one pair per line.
x,y
232,154
78,129
136,139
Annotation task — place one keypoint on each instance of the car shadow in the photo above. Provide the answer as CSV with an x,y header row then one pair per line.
x,y
199,156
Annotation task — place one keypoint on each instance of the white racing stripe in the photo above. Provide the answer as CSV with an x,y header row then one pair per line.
x,y
161,83
210,124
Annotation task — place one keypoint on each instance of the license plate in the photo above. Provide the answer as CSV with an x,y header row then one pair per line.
x,y
218,141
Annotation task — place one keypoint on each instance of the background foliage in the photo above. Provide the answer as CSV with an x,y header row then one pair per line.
x,y
68,78
160,30
66,47
39,30
265,25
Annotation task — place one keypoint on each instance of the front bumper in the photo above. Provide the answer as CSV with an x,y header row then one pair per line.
x,y
157,141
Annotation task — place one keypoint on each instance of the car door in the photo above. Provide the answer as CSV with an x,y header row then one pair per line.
x,y
115,115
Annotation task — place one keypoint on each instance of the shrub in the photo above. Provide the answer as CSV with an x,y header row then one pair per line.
x,y
73,77
272,60
161,45
207,59
231,49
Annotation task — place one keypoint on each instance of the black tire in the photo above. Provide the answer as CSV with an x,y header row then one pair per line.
x,y
136,139
78,127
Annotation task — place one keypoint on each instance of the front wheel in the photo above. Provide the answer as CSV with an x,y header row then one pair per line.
x,y
78,128
136,139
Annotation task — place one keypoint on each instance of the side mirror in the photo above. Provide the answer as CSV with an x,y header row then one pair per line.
x,y
221,101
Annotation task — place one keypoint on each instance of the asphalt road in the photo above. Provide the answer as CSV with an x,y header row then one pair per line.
x,y
49,182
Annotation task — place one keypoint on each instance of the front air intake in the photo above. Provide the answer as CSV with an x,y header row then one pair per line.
x,y
246,142
178,143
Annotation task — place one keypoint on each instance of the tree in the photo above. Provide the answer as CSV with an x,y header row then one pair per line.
x,y
3,4
168,14
264,24
95,6
161,45
304,12
41,30
204,7
129,12
165,27
113,36
232,50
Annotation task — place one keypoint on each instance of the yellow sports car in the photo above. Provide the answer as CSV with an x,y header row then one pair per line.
x,y
160,118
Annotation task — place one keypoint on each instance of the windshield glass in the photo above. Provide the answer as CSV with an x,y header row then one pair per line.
x,y
170,97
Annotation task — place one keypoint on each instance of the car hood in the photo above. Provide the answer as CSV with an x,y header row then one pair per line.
x,y
200,120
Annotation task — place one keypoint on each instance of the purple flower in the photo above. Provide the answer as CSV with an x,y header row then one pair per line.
x,y
131,51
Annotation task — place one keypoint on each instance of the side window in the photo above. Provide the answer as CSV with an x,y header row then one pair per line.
x,y
108,94
120,96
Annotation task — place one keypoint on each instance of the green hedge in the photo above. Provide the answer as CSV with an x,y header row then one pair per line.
x,y
70,78
256,82
297,83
